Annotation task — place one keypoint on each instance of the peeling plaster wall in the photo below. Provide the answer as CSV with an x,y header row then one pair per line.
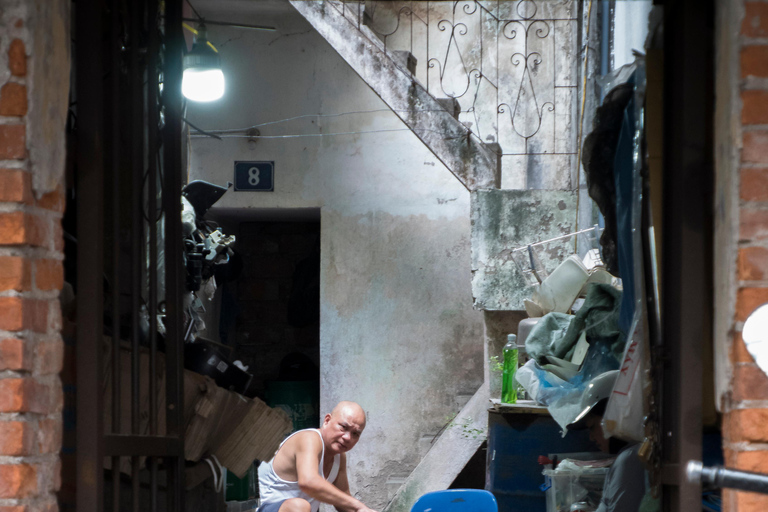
x,y
398,332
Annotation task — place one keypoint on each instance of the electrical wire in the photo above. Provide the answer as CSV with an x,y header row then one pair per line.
x,y
581,123
201,134
234,130
201,131
194,10
194,31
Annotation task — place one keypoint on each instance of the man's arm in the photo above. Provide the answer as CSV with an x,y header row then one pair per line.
x,y
341,479
312,483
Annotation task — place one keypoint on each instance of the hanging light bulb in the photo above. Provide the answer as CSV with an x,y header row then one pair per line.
x,y
203,79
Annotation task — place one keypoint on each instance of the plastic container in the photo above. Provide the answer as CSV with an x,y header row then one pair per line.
x,y
569,487
508,382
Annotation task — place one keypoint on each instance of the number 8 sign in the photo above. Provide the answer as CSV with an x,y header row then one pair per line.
x,y
255,176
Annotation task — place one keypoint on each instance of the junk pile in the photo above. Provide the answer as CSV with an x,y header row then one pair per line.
x,y
571,336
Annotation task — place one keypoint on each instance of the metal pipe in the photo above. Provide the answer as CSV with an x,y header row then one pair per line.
x,y
115,164
153,116
90,252
136,164
136,137
172,102
718,476
605,38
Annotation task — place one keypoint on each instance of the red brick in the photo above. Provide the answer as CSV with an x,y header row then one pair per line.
x,y
14,354
739,352
748,299
745,426
740,501
755,461
749,383
49,274
16,438
15,273
54,316
30,395
13,100
18,314
17,481
754,109
755,23
755,148
19,508
15,186
754,184
754,61
49,432
753,224
17,58
49,357
13,142
21,228
53,200
57,243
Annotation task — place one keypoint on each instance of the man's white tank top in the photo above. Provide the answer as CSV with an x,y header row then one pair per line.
x,y
272,488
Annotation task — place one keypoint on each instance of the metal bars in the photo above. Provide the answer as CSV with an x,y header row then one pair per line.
x,y
90,165
511,63
686,283
123,48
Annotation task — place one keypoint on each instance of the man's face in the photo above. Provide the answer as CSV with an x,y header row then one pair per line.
x,y
341,430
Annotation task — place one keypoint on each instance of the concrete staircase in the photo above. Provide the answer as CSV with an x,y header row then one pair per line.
x,y
474,164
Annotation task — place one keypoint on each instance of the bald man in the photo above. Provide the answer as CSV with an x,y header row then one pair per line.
x,y
310,466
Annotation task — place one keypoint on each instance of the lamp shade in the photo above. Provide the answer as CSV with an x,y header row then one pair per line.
x,y
203,79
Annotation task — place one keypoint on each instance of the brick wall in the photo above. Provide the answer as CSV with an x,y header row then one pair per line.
x,y
31,275
745,407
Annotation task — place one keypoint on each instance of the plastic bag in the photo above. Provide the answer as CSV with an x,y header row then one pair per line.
x,y
563,398
626,410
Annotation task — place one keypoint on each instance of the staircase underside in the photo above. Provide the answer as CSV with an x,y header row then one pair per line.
x,y
448,456
466,157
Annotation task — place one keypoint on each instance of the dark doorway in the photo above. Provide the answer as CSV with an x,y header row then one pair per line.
x,y
269,312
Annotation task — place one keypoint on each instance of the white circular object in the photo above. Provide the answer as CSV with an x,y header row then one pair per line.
x,y
202,84
755,335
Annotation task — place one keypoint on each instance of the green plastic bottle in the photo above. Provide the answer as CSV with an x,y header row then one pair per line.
x,y
508,383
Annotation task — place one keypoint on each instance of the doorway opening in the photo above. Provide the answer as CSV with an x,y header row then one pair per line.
x,y
267,307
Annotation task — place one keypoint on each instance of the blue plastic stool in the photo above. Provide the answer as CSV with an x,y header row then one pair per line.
x,y
456,500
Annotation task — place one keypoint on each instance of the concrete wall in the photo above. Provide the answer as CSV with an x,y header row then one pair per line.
x,y
398,333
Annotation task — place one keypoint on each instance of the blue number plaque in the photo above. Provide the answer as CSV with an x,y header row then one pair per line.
x,y
255,176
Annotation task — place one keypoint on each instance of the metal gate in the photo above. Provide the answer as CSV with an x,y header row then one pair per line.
x,y
130,443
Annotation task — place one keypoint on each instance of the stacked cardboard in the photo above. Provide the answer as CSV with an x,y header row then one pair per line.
x,y
236,429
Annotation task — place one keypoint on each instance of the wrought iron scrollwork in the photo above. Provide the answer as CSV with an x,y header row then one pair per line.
x,y
497,57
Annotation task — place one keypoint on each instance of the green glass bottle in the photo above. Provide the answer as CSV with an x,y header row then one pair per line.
x,y
508,383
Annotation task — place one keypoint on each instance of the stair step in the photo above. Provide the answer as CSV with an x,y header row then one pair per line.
x,y
467,158
461,400
394,482
405,59
425,443
451,105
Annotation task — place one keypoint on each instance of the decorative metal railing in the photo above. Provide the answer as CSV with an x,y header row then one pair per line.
x,y
509,68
